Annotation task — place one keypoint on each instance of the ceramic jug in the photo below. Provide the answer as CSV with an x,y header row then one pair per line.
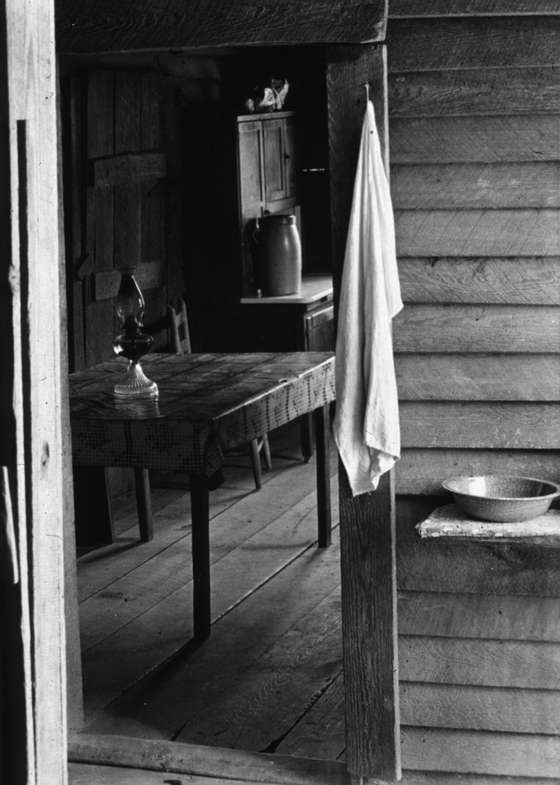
x,y
278,248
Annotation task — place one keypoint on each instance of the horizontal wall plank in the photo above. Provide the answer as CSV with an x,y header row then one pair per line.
x,y
476,186
477,616
478,377
472,329
473,43
475,425
428,8
479,752
480,708
525,280
495,570
461,661
474,139
490,91
421,471
478,232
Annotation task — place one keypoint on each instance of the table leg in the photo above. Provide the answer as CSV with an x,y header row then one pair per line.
x,y
144,504
92,503
306,436
322,427
200,557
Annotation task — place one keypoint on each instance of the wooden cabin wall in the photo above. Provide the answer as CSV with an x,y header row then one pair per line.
x,y
474,137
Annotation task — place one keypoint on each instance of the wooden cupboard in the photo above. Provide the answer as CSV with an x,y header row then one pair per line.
x,y
266,167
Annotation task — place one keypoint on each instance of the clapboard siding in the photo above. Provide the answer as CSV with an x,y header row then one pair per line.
x,y
474,425
455,615
475,146
478,377
441,140
473,43
477,708
481,91
449,8
522,280
476,186
479,752
420,471
457,232
468,329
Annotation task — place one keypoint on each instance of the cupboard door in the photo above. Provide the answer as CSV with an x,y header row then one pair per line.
x,y
274,161
251,168
290,156
319,329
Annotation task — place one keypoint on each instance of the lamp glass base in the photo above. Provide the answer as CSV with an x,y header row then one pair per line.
x,y
136,384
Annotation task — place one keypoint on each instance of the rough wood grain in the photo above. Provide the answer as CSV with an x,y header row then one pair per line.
x,y
520,755
478,377
446,8
367,522
204,23
249,629
320,732
477,232
426,329
479,616
89,774
478,708
464,186
439,140
421,471
449,523
33,612
510,91
450,43
512,664
480,425
196,760
525,280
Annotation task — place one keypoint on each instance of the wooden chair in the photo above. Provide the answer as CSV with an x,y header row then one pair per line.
x,y
181,344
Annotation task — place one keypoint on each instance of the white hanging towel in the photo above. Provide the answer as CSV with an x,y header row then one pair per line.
x,y
366,426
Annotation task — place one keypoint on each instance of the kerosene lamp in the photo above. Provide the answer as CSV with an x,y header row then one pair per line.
x,y
132,342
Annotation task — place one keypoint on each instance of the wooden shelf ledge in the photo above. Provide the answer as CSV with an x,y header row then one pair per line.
x,y
449,523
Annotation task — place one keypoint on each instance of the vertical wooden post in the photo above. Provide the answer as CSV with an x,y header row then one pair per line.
x,y
367,522
30,284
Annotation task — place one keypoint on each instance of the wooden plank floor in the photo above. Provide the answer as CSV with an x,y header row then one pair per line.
x,y
275,647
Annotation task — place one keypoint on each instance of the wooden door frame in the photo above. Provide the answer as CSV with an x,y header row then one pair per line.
x,y
29,274
39,415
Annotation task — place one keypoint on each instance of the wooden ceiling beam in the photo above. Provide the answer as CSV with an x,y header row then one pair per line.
x,y
95,26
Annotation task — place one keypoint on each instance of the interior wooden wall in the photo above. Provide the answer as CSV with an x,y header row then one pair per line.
x,y
474,134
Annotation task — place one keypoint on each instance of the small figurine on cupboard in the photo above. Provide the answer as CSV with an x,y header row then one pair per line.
x,y
268,98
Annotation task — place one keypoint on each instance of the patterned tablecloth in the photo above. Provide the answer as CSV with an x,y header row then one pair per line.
x,y
207,403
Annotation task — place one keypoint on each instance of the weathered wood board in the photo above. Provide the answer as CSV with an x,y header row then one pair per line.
x,y
446,8
478,377
420,471
439,140
480,425
510,91
451,43
470,232
476,186
523,280
426,329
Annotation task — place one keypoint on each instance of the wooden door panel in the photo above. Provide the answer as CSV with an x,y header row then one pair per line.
x,y
274,170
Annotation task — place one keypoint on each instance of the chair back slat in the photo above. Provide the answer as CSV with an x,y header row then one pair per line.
x,y
179,326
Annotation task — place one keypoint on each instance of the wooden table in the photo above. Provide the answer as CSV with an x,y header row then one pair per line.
x,y
208,403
